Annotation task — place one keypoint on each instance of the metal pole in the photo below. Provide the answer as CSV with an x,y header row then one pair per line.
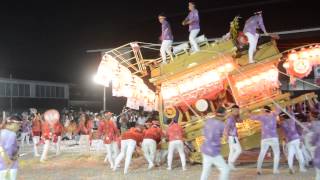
x,y
11,87
104,97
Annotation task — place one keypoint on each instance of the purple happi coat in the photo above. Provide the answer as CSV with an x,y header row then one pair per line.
x,y
213,131
315,141
8,141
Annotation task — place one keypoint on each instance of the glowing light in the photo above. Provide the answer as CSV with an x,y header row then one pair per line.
x,y
293,56
286,65
304,54
302,66
169,92
247,82
214,76
255,79
272,75
239,84
221,69
229,67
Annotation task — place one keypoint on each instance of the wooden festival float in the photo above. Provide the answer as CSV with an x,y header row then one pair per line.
x,y
192,85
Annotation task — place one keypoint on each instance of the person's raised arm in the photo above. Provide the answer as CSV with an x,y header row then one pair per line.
x,y
261,25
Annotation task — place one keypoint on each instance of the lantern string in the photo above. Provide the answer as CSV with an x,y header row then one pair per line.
x,y
299,47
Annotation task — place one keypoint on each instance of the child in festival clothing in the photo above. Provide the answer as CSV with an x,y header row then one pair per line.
x,y
85,131
211,148
26,130
36,132
175,136
58,129
45,136
129,140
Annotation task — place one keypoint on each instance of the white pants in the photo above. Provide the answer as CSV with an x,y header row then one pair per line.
x,y
306,154
307,142
218,161
11,176
149,147
112,153
234,149
25,136
44,154
317,174
294,149
84,142
166,49
192,38
176,145
253,41
127,148
35,140
58,145
265,144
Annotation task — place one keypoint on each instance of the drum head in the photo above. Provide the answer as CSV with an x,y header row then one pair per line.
x,y
202,105
51,116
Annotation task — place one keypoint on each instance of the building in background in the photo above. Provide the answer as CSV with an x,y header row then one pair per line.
x,y
18,95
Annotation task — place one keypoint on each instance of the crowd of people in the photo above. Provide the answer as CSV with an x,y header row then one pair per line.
x,y
146,137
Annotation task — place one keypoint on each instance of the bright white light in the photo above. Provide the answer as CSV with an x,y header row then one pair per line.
x,y
229,67
293,56
286,65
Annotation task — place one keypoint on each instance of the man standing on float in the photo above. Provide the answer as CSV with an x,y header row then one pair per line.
x,y
193,21
166,38
250,30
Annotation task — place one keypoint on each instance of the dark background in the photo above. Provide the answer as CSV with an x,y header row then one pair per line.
x,y
47,40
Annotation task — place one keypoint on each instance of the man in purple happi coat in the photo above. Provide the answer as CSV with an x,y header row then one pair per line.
x,y
213,132
232,134
315,141
250,30
193,21
166,38
9,149
288,126
269,137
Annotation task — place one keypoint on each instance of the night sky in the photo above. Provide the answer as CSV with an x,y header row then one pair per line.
x,y
47,40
